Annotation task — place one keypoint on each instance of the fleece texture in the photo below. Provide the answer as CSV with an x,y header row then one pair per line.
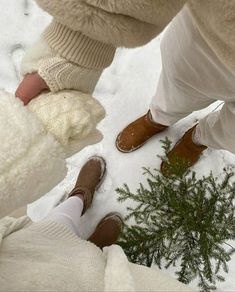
x,y
132,23
28,156
128,23
82,39
117,273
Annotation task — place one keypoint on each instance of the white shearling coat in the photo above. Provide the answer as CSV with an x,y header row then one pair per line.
x,y
28,156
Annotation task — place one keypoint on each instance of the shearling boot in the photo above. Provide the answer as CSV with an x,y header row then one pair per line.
x,y
89,179
107,231
138,133
184,155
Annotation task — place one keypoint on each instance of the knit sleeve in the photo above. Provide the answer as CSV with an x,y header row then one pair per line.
x,y
122,23
84,34
67,59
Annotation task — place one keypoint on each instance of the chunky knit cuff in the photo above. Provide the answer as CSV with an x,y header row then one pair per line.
x,y
68,115
78,48
59,74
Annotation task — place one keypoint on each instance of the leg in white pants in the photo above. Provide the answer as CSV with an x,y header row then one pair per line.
x,y
68,213
217,129
192,78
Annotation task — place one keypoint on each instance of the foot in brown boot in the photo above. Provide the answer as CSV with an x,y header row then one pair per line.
x,y
138,133
184,155
107,231
90,177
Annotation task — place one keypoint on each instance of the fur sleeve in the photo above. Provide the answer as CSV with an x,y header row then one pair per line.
x,y
31,161
123,23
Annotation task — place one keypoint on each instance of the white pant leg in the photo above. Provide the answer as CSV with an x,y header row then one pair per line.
x,y
217,129
192,76
68,213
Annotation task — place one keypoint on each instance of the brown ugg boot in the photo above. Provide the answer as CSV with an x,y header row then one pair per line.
x,y
184,155
90,177
138,133
107,231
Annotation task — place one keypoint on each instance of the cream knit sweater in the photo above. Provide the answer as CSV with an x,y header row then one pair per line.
x,y
47,256
85,33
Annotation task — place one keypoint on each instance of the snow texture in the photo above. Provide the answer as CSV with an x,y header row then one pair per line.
x,y
125,91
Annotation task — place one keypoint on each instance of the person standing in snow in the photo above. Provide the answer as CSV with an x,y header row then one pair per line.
x,y
32,254
51,256
198,53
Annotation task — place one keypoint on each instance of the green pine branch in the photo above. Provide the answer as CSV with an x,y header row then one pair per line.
x,y
182,219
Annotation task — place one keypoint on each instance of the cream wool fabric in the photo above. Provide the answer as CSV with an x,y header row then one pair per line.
x,y
55,259
84,36
28,156
58,73
70,116
128,23
85,33
132,23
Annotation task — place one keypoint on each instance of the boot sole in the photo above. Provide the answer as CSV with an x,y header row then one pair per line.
x,y
135,148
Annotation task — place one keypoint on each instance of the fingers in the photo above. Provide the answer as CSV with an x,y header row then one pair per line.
x,y
31,86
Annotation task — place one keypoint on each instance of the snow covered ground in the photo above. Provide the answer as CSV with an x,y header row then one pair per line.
x,y
125,90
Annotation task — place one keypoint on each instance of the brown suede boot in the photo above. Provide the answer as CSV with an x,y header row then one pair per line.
x,y
184,155
90,177
107,231
138,133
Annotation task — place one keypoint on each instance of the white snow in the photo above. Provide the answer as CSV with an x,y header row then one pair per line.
x,y
125,90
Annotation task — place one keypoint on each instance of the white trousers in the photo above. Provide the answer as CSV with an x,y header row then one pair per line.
x,y
68,213
192,78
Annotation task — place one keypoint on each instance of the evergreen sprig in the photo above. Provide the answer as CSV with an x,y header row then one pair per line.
x,y
182,219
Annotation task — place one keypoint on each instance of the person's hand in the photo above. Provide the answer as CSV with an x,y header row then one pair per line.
x,y
55,73
31,86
